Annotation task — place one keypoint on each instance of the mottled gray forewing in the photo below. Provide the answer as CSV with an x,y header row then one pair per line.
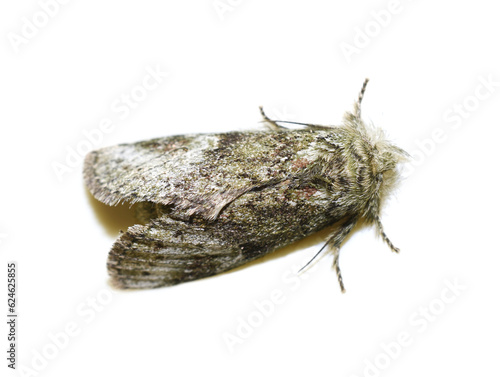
x,y
198,174
168,252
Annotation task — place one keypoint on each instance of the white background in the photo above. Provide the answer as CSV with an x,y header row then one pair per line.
x,y
425,60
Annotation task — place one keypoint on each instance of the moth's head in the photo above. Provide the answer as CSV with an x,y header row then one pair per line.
x,y
381,155
385,154
387,159
382,160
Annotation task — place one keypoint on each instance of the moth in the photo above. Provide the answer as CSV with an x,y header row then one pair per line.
x,y
208,203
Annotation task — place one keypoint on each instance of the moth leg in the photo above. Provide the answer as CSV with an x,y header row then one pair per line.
x,y
384,236
270,123
334,241
336,253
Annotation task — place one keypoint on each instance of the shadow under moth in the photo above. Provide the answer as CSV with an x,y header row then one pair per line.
x,y
212,202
